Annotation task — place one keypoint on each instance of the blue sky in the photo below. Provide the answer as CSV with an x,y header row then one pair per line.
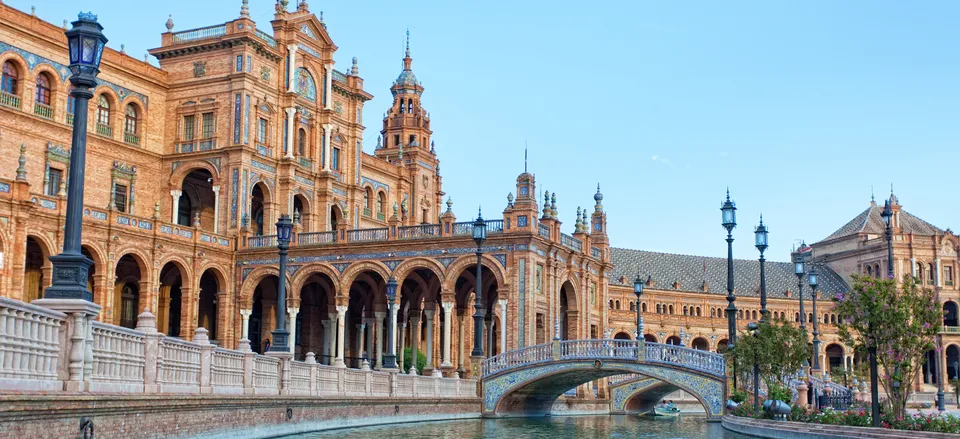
x,y
799,107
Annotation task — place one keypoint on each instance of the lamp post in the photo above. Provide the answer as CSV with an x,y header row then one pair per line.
x,y
71,267
799,269
390,358
872,349
279,346
729,211
812,279
755,332
479,235
761,242
936,364
638,290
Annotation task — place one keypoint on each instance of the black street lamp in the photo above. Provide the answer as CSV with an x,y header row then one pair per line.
x,y
284,226
755,332
936,364
761,241
479,235
390,358
812,279
729,211
71,267
798,269
872,350
638,290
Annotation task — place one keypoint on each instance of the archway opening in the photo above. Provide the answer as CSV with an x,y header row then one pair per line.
x,y
258,209
950,317
334,217
834,353
170,312
207,304
301,212
953,362
317,319
367,293
36,266
621,336
263,316
673,340
197,200
700,344
568,312
722,346
465,287
929,372
126,302
650,338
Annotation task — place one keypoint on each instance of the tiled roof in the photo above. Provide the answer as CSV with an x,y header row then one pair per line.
x,y
870,221
692,271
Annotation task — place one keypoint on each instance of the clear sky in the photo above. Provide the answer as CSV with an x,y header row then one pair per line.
x,y
799,107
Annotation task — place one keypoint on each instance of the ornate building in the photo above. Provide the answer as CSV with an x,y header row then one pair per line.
x,y
190,165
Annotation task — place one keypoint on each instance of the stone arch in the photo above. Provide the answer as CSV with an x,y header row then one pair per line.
x,y
185,269
112,98
131,100
37,268
299,279
222,278
179,174
623,335
456,268
350,274
252,280
22,69
408,266
56,81
651,338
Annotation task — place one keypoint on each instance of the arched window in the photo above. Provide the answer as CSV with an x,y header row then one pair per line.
x,y
410,106
617,304
670,310
43,89
797,318
920,271
713,313
876,270
869,270
301,141
930,274
754,314
11,76
684,310
380,203
698,311
366,199
633,307
402,108
130,121
643,307
103,110
611,304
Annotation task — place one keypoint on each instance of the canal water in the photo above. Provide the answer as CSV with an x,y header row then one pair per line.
x,y
604,426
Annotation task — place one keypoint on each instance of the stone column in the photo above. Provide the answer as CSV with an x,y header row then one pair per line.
x,y
447,322
938,274
460,344
175,207
392,342
503,326
369,322
292,327
341,315
414,340
245,323
362,361
403,329
428,368
328,325
216,209
291,79
380,316
328,86
326,146
291,132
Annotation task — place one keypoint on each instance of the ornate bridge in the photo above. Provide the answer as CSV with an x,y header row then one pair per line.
x,y
528,380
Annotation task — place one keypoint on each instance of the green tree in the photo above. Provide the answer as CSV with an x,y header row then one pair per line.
x,y
421,360
779,348
899,322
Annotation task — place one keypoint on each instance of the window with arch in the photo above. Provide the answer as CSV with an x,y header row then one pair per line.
x,y
698,311
948,275
643,307
876,270
11,78
43,89
869,270
713,313
670,310
611,304
685,310
920,271
633,306
402,107
131,119
301,141
930,274
380,202
797,318
103,110
367,195
617,304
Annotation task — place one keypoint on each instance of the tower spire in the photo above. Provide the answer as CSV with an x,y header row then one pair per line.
x,y
524,156
408,43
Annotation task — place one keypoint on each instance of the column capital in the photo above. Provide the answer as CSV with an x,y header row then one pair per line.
x,y
216,188
326,126
176,192
428,313
502,302
379,314
290,111
328,67
292,47
291,310
341,309
246,313
448,306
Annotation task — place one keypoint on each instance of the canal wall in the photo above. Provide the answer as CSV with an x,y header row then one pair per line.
x,y
802,430
212,417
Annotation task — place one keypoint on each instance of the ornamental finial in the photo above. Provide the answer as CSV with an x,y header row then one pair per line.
x,y
87,16
245,9
546,204
449,205
509,199
170,23
22,169
302,6
553,205
354,70
408,43
578,226
433,148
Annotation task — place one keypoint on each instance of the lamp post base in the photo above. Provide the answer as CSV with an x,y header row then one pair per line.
x,y
279,346
70,273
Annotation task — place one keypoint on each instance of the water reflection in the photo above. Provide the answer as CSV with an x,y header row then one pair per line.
x,y
689,427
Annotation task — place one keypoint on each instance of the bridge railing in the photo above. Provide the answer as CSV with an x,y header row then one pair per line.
x,y
701,361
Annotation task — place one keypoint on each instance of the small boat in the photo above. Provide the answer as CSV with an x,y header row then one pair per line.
x,y
668,410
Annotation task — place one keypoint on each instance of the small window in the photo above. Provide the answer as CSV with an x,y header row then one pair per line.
x,y
948,274
413,138
262,131
335,163
120,197
130,124
301,142
396,140
53,183
11,76
366,199
103,110
189,125
206,125
43,89
930,274
380,203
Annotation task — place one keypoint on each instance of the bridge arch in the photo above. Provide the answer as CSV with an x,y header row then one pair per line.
x,y
531,386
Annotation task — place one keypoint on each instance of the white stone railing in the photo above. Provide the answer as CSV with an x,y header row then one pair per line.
x,y
37,344
30,351
118,359
701,361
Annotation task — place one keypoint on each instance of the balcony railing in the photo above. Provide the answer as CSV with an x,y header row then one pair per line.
x,y
316,238
208,144
44,111
571,242
264,150
305,162
9,100
543,230
951,329
418,232
200,34
265,241
367,212
596,252
131,138
69,120
265,37
466,227
368,235
104,130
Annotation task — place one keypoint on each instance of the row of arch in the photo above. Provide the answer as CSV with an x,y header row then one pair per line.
x,y
128,294
17,81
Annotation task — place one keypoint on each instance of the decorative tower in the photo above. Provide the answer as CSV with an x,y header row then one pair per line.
x,y
598,225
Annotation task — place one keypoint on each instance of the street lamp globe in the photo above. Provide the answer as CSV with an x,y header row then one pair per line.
x,y
284,227
812,276
761,236
754,328
887,213
479,229
729,213
798,267
638,286
86,42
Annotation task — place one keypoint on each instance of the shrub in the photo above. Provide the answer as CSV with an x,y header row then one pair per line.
x,y
738,396
421,360
778,392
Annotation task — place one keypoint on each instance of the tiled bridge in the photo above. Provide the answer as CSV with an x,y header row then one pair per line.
x,y
527,381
